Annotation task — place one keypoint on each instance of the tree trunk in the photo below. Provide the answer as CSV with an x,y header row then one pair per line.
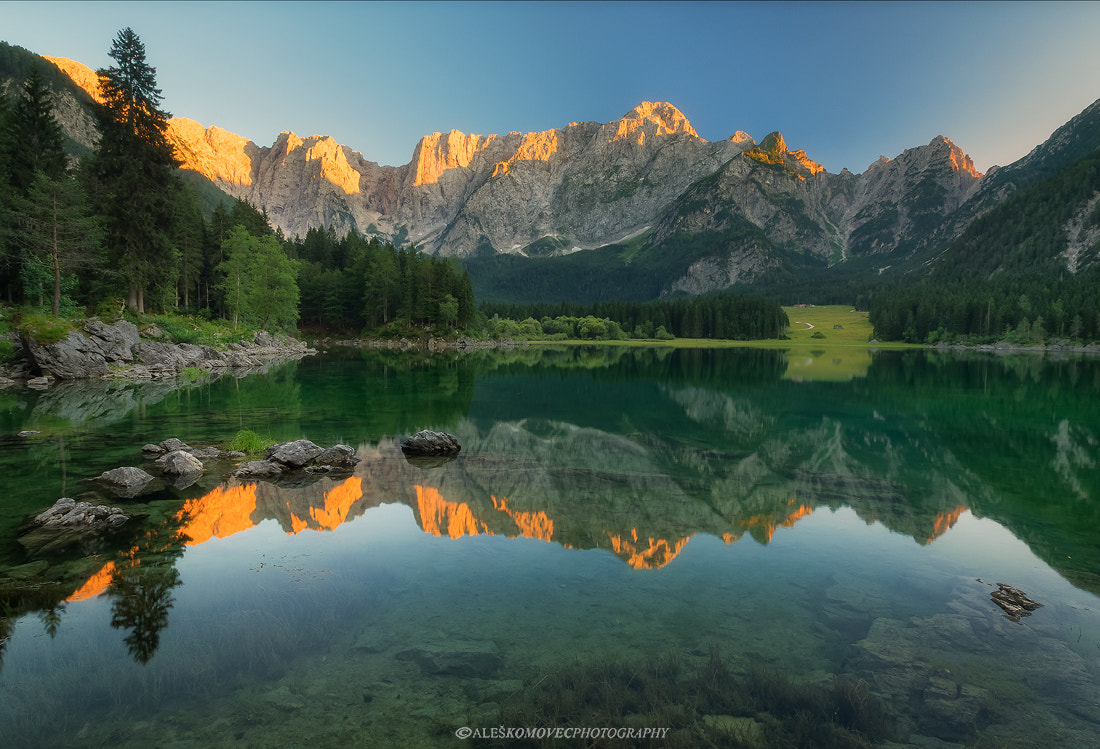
x,y
132,302
56,264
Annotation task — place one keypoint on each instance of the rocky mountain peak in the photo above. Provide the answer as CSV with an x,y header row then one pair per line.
x,y
773,150
649,119
959,161
217,154
436,153
80,74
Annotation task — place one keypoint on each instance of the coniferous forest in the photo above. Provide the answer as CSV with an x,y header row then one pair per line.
x,y
123,227
120,227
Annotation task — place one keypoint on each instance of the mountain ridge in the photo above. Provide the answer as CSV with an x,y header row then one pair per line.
x,y
578,187
669,212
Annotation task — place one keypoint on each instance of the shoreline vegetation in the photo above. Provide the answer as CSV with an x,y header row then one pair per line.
x,y
39,348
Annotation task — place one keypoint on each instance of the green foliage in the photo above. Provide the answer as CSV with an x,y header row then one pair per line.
x,y
133,176
720,316
191,374
196,330
250,443
356,283
258,279
57,237
44,329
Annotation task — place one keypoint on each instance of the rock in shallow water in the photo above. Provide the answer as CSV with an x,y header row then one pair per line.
x,y
179,463
67,512
294,454
427,442
127,481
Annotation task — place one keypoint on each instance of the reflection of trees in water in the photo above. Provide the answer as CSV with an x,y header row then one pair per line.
x,y
141,588
143,596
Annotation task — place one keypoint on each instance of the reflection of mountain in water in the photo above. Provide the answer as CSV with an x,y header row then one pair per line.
x,y
912,446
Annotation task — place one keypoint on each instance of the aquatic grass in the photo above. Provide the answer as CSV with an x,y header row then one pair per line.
x,y
705,706
250,443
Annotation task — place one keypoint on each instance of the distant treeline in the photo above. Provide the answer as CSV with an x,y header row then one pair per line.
x,y
1032,296
721,316
1017,309
362,284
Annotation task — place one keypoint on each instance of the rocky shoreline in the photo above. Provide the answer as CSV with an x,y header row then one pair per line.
x,y
1056,350
98,350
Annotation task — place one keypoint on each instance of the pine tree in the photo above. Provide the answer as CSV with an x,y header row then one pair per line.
x,y
56,233
35,141
133,171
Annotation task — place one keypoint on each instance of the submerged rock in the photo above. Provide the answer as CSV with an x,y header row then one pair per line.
x,y
127,481
468,659
67,512
427,442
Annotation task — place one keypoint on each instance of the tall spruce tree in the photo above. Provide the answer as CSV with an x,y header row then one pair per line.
x,y
133,171
32,146
35,140
57,235
7,256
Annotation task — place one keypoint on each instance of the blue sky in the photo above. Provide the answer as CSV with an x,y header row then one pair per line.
x,y
846,81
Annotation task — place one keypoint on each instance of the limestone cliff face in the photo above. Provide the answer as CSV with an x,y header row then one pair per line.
x,y
71,109
584,185
802,210
895,204
590,184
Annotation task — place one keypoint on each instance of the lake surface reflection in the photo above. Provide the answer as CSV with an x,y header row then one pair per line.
x,y
715,542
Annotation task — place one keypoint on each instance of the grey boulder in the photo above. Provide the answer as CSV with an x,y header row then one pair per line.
x,y
293,454
427,442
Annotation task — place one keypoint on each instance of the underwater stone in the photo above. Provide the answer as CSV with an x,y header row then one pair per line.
x,y
427,442
127,478
465,658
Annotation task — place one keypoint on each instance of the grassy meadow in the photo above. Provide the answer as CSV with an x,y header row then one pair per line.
x,y
841,350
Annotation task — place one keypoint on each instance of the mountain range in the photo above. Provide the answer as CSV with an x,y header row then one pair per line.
x,y
637,208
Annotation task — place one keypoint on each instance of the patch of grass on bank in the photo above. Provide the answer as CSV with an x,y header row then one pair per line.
x,y
44,329
190,329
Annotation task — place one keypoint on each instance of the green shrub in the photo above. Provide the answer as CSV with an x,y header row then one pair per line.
x,y
7,350
110,310
250,443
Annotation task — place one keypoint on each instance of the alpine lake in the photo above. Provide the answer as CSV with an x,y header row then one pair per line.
x,y
687,547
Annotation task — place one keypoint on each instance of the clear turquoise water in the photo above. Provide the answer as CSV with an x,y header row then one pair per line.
x,y
692,500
